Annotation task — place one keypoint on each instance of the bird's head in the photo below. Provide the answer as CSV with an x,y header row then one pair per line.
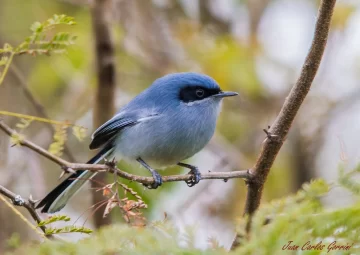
x,y
190,88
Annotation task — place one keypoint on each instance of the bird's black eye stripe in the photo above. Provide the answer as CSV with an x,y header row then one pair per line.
x,y
195,93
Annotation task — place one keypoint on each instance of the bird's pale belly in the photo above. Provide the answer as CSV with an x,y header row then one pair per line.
x,y
161,148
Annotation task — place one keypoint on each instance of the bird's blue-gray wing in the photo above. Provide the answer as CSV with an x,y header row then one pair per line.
x,y
110,129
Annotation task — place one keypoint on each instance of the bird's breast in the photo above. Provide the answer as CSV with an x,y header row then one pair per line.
x,y
168,139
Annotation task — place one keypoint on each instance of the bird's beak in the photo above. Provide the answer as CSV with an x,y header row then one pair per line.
x,y
226,94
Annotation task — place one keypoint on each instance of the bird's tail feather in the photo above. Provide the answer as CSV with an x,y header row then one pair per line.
x,y
61,194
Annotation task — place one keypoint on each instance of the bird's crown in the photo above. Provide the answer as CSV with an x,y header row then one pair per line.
x,y
187,79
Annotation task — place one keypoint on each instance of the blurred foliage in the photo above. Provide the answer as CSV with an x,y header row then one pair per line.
x,y
59,139
13,242
38,42
298,218
24,123
237,68
347,179
341,15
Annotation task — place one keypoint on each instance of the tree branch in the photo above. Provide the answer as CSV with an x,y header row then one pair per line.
x,y
280,128
70,167
28,204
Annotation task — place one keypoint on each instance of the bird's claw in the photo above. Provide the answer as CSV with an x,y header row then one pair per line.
x,y
196,177
157,180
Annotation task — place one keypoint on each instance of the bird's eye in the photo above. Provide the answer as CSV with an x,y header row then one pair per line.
x,y
199,93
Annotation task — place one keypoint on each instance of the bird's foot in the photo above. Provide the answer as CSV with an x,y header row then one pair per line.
x,y
157,180
196,177
157,177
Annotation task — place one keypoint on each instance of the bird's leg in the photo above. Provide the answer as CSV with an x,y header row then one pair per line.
x,y
194,171
157,177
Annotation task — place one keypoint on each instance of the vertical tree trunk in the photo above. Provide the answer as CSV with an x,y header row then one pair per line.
x,y
101,13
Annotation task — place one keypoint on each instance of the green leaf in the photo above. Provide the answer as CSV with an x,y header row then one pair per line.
x,y
39,44
16,139
24,123
14,241
68,229
79,132
60,137
3,60
7,48
36,27
52,219
316,188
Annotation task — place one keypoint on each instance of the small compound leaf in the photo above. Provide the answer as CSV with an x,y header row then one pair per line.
x,y
52,219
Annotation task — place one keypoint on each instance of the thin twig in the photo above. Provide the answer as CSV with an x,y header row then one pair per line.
x,y
28,204
282,124
33,146
68,166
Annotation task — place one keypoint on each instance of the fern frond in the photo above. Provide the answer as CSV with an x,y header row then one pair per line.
x,y
68,229
52,219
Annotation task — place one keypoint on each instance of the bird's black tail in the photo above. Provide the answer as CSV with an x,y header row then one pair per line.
x,y
60,195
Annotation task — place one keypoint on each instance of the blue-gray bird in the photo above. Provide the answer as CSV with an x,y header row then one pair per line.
x,y
165,124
